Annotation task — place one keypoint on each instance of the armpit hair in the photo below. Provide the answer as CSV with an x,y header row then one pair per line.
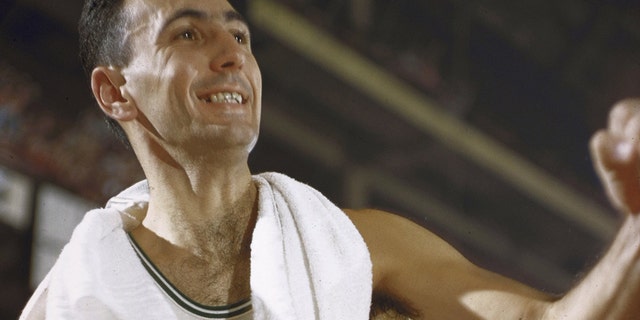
x,y
385,307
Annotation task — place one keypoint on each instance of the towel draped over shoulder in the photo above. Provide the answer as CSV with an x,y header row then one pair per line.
x,y
308,261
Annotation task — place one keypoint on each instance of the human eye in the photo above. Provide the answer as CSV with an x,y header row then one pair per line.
x,y
242,37
188,35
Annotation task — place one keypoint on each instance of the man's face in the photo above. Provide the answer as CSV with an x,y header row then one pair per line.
x,y
192,75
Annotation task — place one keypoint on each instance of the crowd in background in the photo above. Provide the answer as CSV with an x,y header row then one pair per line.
x,y
76,151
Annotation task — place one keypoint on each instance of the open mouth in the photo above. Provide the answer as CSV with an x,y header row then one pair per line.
x,y
224,97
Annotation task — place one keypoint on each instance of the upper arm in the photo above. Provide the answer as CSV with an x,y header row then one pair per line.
x,y
420,269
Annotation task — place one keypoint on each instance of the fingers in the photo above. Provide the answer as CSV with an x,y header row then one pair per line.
x,y
624,119
616,164
616,153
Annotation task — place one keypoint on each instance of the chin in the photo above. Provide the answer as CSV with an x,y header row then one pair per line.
x,y
240,138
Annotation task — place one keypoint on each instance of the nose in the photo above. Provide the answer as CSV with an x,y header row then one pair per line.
x,y
230,55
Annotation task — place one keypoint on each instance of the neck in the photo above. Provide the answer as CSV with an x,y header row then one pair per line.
x,y
204,206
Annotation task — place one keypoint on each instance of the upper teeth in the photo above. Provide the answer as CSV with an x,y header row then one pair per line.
x,y
227,97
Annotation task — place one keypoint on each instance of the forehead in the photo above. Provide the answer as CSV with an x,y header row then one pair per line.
x,y
153,14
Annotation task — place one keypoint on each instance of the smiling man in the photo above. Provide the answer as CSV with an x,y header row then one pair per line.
x,y
204,238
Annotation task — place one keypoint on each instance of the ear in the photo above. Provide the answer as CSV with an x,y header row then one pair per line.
x,y
106,83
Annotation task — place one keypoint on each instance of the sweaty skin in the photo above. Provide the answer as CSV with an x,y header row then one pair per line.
x,y
425,275
175,100
192,148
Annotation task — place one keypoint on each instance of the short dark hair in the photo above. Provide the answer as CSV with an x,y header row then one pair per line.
x,y
102,28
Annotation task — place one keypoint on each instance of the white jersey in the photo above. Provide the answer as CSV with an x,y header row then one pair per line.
x,y
187,309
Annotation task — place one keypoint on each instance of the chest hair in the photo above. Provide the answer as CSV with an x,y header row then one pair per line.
x,y
218,272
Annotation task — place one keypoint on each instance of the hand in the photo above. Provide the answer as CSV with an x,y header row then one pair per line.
x,y
616,154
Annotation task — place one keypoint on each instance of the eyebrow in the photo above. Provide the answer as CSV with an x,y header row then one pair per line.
x,y
229,15
233,15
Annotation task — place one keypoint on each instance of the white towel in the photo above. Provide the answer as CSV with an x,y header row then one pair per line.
x,y
99,276
308,261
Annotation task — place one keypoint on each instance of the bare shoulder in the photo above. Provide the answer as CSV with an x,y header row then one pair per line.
x,y
382,225
425,277
383,228
395,241
402,251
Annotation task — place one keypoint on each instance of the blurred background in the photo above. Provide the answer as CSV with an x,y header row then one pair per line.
x,y
471,118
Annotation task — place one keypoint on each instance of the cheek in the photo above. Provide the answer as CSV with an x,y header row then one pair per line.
x,y
178,70
256,79
142,77
166,84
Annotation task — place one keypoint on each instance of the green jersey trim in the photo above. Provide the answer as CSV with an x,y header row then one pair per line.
x,y
211,312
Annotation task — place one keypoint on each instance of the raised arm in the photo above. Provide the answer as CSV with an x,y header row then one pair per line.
x,y
431,280
612,289
425,276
